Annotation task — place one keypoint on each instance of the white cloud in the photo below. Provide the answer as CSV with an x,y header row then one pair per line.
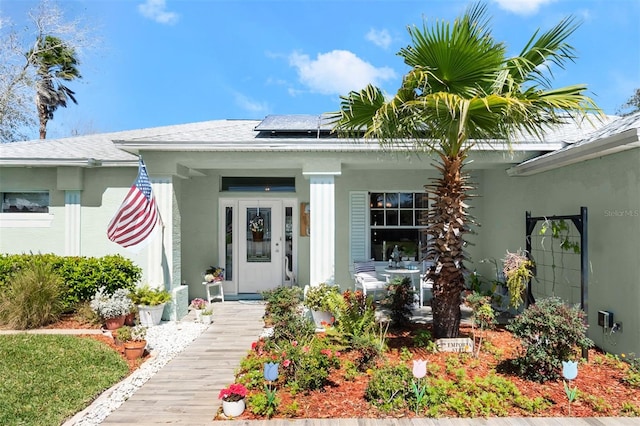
x,y
337,72
522,7
380,38
156,10
250,105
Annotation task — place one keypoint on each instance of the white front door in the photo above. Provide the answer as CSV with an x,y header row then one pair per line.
x,y
260,245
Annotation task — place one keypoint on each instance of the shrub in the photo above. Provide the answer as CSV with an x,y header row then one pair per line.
x,y
32,297
390,387
550,332
283,312
306,366
354,317
83,276
399,301
483,317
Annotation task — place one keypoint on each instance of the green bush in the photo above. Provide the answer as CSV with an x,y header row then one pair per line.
x,y
32,297
550,332
283,312
306,366
83,276
399,301
148,296
390,388
355,316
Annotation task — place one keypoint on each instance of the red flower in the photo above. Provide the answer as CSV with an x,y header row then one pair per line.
x,y
234,392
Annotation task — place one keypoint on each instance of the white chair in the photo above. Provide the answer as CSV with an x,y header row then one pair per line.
x,y
425,283
366,278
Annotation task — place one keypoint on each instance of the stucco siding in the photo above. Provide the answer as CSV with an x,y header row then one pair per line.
x,y
610,189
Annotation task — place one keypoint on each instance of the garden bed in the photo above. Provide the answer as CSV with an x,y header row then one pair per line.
x,y
602,391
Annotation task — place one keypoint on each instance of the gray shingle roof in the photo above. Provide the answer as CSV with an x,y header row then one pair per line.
x,y
219,134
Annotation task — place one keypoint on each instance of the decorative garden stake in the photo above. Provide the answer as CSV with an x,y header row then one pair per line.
x,y
270,375
419,371
570,372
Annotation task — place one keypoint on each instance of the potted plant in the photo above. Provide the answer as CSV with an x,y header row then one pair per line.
x,y
518,270
207,315
150,302
111,308
233,399
133,339
198,305
318,300
214,273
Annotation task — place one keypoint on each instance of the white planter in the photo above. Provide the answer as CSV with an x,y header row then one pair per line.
x,y
233,408
150,315
206,319
198,314
320,317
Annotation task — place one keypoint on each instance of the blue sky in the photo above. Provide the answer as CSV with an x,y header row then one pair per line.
x,y
163,62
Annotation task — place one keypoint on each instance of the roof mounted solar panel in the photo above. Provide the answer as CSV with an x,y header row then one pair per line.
x,y
295,123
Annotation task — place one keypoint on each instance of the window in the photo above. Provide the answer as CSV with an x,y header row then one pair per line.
x,y
397,218
25,202
259,184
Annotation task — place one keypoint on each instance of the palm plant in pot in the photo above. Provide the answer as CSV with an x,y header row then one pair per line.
x,y
111,308
133,339
318,300
150,302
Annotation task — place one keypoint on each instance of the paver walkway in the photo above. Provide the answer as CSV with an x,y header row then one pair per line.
x,y
185,391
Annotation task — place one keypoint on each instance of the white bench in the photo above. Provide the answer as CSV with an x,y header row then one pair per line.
x,y
209,286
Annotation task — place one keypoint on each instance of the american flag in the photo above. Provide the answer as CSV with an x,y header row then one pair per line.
x,y
137,216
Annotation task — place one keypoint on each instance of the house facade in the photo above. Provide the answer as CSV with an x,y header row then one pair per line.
x,y
281,201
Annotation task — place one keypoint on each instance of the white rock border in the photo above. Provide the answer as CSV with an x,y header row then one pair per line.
x,y
164,342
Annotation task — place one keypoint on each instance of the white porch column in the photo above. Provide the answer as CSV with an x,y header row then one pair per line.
x,y
72,223
162,259
322,226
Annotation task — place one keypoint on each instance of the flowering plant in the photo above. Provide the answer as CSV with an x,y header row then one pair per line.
x,y
234,392
256,224
111,305
214,273
198,303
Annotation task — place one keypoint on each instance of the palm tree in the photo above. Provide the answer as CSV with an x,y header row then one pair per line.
x,y
462,88
55,62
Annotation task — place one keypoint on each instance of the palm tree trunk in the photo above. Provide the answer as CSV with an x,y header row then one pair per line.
x,y
448,222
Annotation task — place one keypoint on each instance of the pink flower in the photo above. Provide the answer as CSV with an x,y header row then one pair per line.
x,y
337,353
326,352
286,363
234,392
305,349
294,343
419,368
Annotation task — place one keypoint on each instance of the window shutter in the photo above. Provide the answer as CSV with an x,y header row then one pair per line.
x,y
358,227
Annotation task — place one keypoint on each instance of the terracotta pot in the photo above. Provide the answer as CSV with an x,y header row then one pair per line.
x,y
134,349
233,408
115,322
130,319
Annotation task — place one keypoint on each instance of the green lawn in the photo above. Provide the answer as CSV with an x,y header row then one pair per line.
x,y
46,379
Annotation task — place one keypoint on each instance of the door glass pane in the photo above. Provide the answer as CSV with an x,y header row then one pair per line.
x,y
228,238
258,234
288,235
